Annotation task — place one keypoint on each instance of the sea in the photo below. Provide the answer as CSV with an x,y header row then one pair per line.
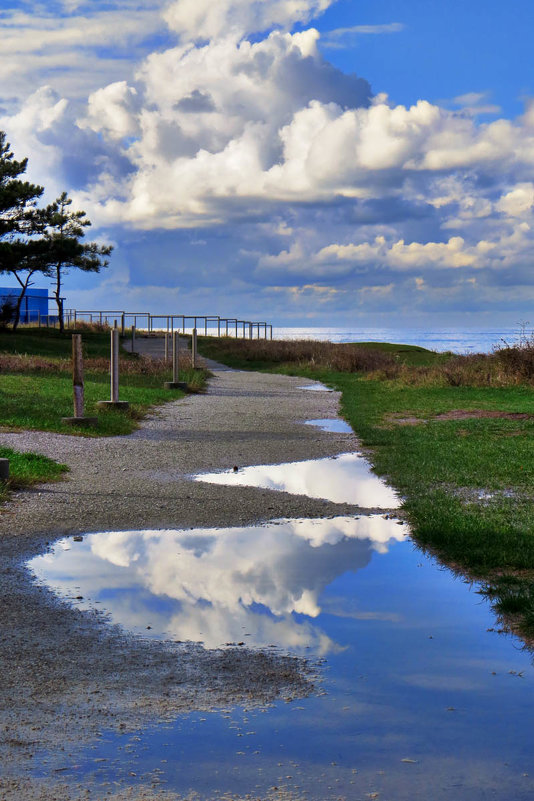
x,y
455,340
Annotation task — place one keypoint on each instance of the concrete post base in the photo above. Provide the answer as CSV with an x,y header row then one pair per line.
x,y
86,422
4,469
175,385
119,405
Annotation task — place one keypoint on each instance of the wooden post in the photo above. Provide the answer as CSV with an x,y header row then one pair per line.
x,y
77,375
114,403
78,386
123,323
114,365
218,326
194,349
175,383
133,338
175,347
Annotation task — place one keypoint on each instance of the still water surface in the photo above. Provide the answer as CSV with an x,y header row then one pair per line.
x,y
418,699
457,340
346,478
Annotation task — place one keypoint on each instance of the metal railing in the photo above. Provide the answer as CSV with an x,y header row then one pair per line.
x,y
213,324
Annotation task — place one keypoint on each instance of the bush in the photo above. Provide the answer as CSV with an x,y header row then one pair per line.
x,y
7,312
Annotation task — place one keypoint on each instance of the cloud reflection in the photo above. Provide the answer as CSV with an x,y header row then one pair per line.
x,y
346,478
219,586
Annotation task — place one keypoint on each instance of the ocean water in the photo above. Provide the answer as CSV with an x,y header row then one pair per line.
x,y
457,340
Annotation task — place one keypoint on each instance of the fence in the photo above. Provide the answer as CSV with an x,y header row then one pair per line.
x,y
184,323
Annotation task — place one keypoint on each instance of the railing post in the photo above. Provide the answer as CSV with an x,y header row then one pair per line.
x,y
166,336
175,383
133,338
175,352
123,323
114,402
194,349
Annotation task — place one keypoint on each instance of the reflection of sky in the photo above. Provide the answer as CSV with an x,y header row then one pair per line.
x,y
262,583
415,675
333,425
317,387
341,479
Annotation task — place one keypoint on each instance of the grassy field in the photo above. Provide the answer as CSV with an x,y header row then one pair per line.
x,y
36,392
454,435
36,382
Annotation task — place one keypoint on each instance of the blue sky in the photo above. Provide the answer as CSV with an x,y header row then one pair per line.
x,y
314,162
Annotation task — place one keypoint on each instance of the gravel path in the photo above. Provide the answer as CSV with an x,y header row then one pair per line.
x,y
66,674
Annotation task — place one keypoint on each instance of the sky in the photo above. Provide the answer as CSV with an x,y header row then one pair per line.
x,y
306,162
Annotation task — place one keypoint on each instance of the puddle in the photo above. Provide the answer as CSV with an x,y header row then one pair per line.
x,y
418,698
346,478
218,586
332,425
317,387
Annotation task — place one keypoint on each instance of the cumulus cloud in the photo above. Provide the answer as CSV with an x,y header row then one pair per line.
x,y
323,188
205,19
213,581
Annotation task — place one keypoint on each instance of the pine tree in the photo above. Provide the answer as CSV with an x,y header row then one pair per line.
x,y
65,230
21,222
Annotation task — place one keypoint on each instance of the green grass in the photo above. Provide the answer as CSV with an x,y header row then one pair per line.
x,y
39,396
40,401
468,484
26,469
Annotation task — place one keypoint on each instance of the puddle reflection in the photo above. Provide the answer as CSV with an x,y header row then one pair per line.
x,y
346,478
332,425
258,585
317,387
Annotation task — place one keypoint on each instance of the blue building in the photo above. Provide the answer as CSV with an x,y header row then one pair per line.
x,y
34,303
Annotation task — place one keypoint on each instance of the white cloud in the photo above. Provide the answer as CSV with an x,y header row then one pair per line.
x,y
65,50
264,141
339,38
205,19
113,111
213,579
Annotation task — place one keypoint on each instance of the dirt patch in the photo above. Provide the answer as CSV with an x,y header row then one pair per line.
x,y
459,414
475,414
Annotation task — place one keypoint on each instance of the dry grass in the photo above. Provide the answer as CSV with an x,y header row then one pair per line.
x,y
143,365
309,353
504,367
508,365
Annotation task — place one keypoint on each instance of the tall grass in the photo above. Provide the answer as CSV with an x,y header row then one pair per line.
x,y
508,365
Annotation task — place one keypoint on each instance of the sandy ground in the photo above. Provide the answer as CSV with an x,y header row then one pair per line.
x,y
64,673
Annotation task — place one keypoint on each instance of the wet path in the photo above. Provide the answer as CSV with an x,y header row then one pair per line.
x,y
418,696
